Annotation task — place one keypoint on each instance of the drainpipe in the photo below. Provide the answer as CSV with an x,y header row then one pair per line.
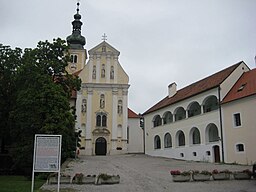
x,y
142,126
221,127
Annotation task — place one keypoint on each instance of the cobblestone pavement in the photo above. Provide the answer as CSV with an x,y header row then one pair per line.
x,y
140,173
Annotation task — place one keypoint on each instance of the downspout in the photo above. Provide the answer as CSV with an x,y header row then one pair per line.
x,y
142,126
221,127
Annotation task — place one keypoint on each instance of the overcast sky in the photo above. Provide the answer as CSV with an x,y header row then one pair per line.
x,y
161,41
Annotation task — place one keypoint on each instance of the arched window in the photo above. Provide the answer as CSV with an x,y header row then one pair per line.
x,y
101,120
167,140
180,138
73,58
168,118
104,120
194,109
157,121
210,104
212,133
98,121
157,142
195,136
180,114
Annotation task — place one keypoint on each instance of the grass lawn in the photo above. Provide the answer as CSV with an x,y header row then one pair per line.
x,y
18,184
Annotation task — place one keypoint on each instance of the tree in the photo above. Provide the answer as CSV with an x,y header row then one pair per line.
x,y
42,101
10,61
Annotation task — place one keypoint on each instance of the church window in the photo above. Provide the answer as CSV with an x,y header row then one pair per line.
x,y
102,101
94,72
112,72
103,71
120,107
73,58
101,120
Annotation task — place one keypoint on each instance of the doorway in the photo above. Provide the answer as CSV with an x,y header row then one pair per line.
x,y
101,146
216,151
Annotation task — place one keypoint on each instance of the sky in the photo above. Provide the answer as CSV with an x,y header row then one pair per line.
x,y
160,41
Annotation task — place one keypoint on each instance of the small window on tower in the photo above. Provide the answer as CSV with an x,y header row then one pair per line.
x,y
73,58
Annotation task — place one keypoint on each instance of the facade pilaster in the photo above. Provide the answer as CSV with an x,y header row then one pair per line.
x,y
125,118
89,114
98,68
115,68
108,65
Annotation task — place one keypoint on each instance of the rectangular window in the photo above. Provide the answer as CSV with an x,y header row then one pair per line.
x,y
237,120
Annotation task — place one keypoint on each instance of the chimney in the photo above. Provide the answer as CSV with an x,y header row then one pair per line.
x,y
172,89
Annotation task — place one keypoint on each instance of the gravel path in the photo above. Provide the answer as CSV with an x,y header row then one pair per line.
x,y
140,173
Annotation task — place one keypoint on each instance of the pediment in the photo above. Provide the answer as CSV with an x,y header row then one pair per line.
x,y
99,49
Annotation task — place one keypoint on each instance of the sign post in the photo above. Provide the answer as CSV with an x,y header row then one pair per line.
x,y
47,155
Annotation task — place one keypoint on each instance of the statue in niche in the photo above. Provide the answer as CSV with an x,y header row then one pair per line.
x,y
103,71
120,107
102,101
112,73
94,72
84,105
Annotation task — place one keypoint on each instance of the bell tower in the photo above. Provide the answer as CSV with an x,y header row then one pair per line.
x,y
76,42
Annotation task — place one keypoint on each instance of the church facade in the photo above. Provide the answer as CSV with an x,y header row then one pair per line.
x,y
102,102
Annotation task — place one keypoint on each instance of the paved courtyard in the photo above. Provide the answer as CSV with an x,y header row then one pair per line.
x,y
140,173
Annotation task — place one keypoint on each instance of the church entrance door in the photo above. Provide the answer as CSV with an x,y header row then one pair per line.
x,y
101,146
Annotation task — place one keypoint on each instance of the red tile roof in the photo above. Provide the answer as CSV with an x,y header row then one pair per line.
x,y
132,114
198,87
244,87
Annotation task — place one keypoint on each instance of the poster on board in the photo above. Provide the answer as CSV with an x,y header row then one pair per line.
x,y
47,152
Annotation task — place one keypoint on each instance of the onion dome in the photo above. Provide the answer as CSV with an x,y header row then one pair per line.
x,y
76,40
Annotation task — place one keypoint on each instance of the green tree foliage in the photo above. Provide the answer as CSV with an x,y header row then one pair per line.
x,y
10,60
41,104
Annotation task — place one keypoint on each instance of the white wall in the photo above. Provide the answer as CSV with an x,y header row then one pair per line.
x,y
136,144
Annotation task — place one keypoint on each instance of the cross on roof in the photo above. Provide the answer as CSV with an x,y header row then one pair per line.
x,y
104,37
